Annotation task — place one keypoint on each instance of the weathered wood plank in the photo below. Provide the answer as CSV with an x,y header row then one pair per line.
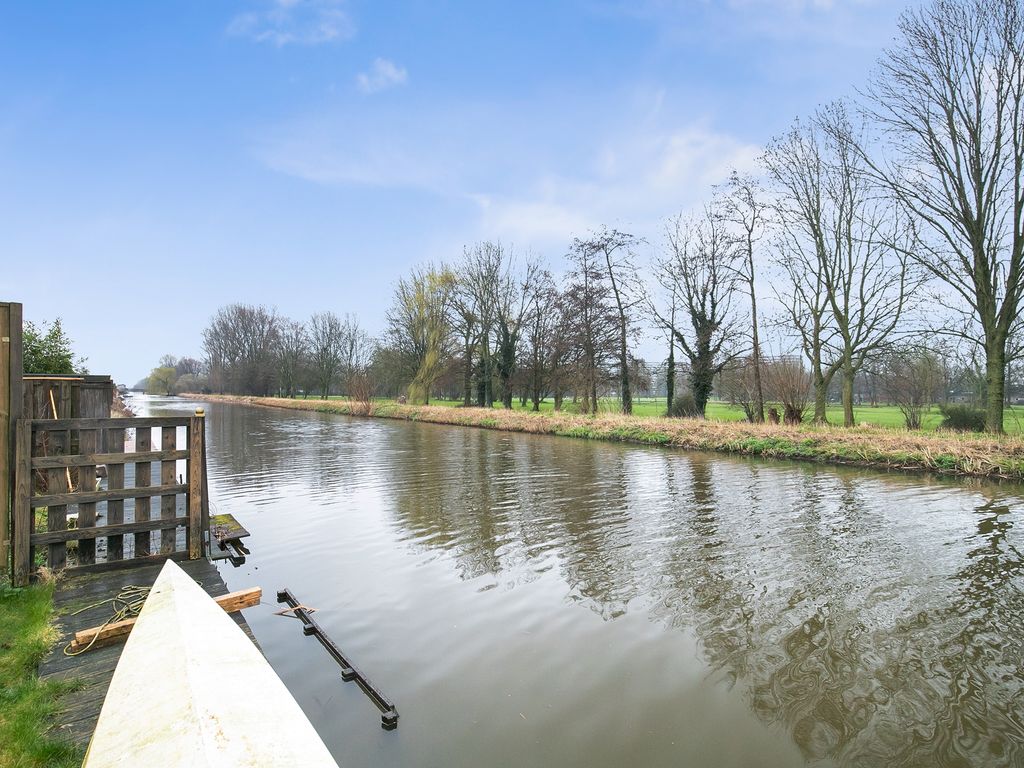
x,y
23,520
77,460
115,482
51,425
56,502
168,504
87,444
195,488
10,412
125,493
93,532
143,475
112,633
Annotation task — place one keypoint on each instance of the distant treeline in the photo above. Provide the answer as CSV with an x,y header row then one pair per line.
x,y
887,235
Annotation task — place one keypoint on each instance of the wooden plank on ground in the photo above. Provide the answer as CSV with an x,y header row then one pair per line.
x,y
112,633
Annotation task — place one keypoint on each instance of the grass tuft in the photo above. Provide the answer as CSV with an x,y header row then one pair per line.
x,y
26,703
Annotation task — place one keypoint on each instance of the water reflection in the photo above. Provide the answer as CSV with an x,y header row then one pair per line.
x,y
876,620
853,610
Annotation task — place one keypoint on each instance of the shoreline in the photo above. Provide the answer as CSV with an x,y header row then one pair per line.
x,y
945,454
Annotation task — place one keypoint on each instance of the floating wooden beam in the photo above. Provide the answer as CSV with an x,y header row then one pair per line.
x,y
109,634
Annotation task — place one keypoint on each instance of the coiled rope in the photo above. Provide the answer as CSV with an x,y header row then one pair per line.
x,y
126,604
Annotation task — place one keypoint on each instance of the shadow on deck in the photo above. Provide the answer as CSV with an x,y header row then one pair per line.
x,y
93,670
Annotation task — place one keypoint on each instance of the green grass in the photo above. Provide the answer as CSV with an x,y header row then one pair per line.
x,y
888,416
26,703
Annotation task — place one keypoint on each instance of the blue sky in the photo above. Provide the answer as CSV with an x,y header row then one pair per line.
x,y
159,159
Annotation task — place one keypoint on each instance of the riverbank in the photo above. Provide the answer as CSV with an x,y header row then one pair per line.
x,y
26,702
937,453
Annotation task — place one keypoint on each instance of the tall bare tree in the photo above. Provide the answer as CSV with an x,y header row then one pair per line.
x,y
292,351
855,244
614,252
326,344
743,204
240,345
592,323
700,266
949,97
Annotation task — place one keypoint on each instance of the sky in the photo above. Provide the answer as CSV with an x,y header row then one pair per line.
x,y
162,159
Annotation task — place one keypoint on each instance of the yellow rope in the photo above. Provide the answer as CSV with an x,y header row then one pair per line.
x,y
126,604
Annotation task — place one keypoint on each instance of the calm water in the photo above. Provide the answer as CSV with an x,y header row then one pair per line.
x,y
536,601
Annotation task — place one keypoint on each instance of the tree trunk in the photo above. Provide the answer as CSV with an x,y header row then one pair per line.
x,y
467,374
995,384
670,376
848,374
755,352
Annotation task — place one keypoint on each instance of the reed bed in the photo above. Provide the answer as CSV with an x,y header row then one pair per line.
x,y
945,453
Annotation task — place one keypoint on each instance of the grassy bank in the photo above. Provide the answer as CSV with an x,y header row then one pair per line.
x,y
26,703
938,452
888,416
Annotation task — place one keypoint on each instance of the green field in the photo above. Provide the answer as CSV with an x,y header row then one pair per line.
x,y
888,416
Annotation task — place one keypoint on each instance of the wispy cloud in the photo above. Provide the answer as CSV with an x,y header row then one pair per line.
x,y
383,75
298,22
530,180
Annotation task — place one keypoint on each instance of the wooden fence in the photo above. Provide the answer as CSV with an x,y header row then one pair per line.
x,y
145,493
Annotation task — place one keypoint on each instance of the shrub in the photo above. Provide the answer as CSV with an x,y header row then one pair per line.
x,y
684,406
962,418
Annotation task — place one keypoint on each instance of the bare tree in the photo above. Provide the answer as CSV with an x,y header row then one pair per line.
x,y
591,323
700,265
744,205
790,384
614,252
541,323
481,279
950,100
292,351
845,249
511,305
240,345
912,378
326,340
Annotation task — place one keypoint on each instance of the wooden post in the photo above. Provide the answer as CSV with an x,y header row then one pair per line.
x,y
115,481
57,514
143,478
168,504
196,427
23,519
87,483
206,487
10,411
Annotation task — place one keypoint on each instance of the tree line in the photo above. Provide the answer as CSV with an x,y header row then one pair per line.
x,y
886,232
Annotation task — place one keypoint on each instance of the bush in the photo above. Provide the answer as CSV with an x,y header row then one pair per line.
x,y
684,407
962,418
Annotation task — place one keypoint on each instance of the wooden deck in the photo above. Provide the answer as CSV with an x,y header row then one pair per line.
x,y
93,669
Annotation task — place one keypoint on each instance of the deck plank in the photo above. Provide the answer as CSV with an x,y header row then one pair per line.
x,y
92,671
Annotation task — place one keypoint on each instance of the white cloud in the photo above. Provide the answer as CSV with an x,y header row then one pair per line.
x,y
299,22
384,74
532,178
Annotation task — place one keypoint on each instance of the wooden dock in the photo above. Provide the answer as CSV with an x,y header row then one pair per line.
x,y
93,669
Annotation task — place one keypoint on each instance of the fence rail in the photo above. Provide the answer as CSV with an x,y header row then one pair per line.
x,y
86,519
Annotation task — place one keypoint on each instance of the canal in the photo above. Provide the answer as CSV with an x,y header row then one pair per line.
x,y
540,601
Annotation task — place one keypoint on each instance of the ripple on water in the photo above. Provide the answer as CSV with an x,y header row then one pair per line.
x,y
538,601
